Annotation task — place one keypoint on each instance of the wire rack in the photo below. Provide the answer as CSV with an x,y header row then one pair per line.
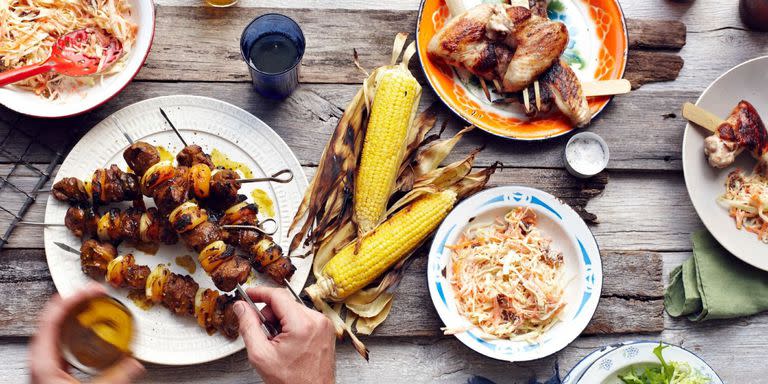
x,y
26,165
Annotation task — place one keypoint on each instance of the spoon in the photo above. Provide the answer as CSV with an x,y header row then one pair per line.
x,y
69,56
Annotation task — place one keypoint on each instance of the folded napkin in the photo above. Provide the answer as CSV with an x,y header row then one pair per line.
x,y
713,284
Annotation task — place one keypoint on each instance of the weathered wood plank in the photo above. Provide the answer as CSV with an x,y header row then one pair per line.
x,y
643,129
669,34
184,48
634,212
645,67
731,348
625,307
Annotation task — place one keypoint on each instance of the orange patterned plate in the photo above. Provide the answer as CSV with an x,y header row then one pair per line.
x,y
597,50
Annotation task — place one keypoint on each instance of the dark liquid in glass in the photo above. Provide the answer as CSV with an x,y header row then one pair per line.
x,y
273,53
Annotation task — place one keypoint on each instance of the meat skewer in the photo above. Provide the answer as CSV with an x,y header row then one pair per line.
x,y
179,294
113,185
742,130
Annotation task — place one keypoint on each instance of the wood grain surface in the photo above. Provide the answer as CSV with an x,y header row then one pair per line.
x,y
640,212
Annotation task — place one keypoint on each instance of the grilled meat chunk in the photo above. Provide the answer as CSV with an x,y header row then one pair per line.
x,y
539,43
172,192
140,156
81,221
71,190
223,191
280,270
95,257
231,272
743,129
225,319
112,185
474,40
193,154
179,294
202,235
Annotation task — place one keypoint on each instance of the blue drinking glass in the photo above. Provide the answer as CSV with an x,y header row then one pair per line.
x,y
273,85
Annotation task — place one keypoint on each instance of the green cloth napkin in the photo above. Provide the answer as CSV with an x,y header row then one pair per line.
x,y
713,284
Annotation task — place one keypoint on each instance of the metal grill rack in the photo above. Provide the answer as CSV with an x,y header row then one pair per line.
x,y
26,165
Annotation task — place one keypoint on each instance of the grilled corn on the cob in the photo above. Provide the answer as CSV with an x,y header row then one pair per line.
x,y
394,108
347,272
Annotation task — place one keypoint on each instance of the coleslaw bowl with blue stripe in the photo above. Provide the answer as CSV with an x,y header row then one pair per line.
x,y
570,235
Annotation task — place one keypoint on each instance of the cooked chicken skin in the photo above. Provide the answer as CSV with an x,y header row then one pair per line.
x,y
742,130
474,40
539,42
567,93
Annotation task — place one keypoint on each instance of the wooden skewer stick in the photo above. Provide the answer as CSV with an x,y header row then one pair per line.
x,y
701,117
606,87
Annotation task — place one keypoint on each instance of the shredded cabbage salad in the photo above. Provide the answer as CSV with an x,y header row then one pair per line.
x,y
507,280
746,198
673,372
29,29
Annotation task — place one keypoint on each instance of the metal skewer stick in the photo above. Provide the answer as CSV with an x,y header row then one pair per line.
x,y
268,328
165,116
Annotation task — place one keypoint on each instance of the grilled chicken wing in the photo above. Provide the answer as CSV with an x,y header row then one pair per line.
x,y
539,43
742,130
560,87
474,40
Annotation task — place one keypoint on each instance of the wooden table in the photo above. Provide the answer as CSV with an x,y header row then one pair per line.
x,y
644,214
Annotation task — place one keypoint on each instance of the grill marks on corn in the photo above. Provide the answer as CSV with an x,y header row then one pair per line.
x,y
389,243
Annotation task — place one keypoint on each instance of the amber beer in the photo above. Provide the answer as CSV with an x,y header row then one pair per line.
x,y
221,3
97,334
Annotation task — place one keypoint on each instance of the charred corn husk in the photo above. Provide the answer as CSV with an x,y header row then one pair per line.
x,y
394,108
347,272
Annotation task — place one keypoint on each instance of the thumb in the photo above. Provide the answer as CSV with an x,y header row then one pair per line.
x,y
250,328
123,372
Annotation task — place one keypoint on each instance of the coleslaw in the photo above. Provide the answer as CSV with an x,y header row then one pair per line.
x,y
29,29
746,198
506,278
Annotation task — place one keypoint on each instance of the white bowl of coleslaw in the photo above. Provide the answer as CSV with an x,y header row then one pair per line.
x,y
72,96
579,278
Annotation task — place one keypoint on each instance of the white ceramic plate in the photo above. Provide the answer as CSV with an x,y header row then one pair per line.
x,y
87,98
163,338
569,234
605,370
575,374
747,81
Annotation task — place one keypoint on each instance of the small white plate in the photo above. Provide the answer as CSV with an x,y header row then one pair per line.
x,y
161,337
605,370
86,98
569,234
747,81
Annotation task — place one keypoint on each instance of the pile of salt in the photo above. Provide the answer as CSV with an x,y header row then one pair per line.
x,y
585,155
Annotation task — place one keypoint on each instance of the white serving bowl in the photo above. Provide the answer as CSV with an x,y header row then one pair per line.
x,y
570,235
87,98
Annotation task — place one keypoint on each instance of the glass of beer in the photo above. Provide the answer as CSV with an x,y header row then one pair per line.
x,y
221,3
97,334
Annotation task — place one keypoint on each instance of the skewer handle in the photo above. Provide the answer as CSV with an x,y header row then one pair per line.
x,y
255,227
606,87
701,117
275,178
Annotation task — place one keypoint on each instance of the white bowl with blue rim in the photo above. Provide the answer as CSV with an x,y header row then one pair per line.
x,y
570,235
637,355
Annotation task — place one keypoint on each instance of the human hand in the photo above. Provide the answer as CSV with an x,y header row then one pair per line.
x,y
305,349
47,366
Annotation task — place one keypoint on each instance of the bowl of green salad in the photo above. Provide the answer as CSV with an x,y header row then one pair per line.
x,y
649,362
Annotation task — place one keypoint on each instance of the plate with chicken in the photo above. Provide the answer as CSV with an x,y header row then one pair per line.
x,y
525,70
173,223
725,160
